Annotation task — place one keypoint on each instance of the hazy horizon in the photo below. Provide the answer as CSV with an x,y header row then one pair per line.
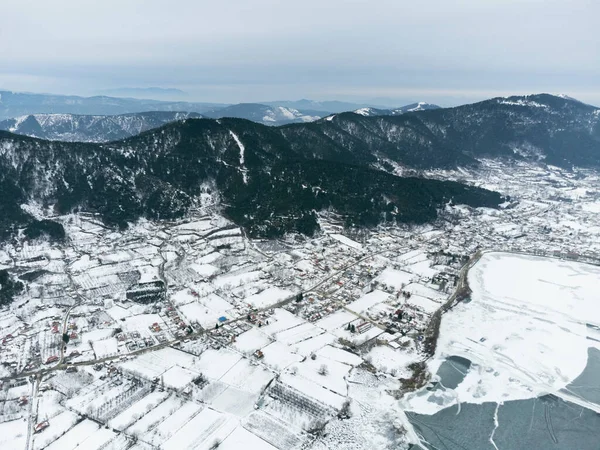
x,y
386,52
183,97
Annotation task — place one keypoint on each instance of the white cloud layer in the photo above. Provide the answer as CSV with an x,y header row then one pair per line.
x,y
251,50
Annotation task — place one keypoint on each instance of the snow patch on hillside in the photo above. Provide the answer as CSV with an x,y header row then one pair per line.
x,y
421,106
364,111
522,102
242,151
524,331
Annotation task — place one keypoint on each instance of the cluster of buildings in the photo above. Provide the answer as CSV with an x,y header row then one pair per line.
x,y
268,304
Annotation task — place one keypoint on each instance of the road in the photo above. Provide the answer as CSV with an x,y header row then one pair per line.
x,y
33,405
433,329
61,365
64,330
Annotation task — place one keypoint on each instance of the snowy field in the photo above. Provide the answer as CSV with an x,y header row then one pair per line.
x,y
524,330
346,241
268,297
367,301
395,278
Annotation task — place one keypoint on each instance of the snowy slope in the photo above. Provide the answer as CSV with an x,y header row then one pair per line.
x,y
267,115
420,106
71,127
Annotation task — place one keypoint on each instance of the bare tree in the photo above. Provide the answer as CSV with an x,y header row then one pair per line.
x,y
345,412
323,370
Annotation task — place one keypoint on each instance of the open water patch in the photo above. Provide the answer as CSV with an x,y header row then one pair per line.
x,y
453,371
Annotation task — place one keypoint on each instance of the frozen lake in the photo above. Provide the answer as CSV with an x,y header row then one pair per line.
x,y
518,367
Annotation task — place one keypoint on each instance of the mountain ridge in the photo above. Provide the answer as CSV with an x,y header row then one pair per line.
x,y
263,184
90,128
272,180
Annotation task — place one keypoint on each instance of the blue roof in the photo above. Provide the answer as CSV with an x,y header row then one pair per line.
x,y
222,319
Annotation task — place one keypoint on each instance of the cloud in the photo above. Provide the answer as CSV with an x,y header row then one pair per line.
x,y
248,50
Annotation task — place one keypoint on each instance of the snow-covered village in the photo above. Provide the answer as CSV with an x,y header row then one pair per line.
x,y
190,335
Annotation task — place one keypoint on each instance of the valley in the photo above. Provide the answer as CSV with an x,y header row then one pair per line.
x,y
190,332
311,225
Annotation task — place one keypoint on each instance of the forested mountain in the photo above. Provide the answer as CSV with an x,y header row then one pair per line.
x,y
421,106
265,184
554,129
268,115
76,128
273,179
323,107
17,104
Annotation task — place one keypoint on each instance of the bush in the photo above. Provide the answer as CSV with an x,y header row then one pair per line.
x,y
8,288
45,228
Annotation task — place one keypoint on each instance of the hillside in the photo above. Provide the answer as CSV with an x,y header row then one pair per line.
x,y
17,104
273,179
552,129
267,115
265,185
77,128
420,106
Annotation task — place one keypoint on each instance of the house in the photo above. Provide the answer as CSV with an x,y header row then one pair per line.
x,y
365,326
41,426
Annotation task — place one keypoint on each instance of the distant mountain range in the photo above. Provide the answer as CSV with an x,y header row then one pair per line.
x,y
17,104
553,129
421,106
14,105
325,107
76,128
100,119
271,180
144,93
265,114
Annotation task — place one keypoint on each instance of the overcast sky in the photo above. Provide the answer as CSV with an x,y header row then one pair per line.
x,y
441,51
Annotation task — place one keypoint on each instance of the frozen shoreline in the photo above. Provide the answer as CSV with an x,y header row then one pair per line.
x,y
524,331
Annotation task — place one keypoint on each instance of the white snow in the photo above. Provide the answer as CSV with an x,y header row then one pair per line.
x,y
251,340
524,330
363,111
386,359
347,241
242,150
206,270
268,297
198,431
336,320
178,377
78,435
521,102
591,207
395,278
300,333
137,410
281,320
197,225
342,356
367,301
313,344
241,438
13,434
312,389
278,356
234,280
